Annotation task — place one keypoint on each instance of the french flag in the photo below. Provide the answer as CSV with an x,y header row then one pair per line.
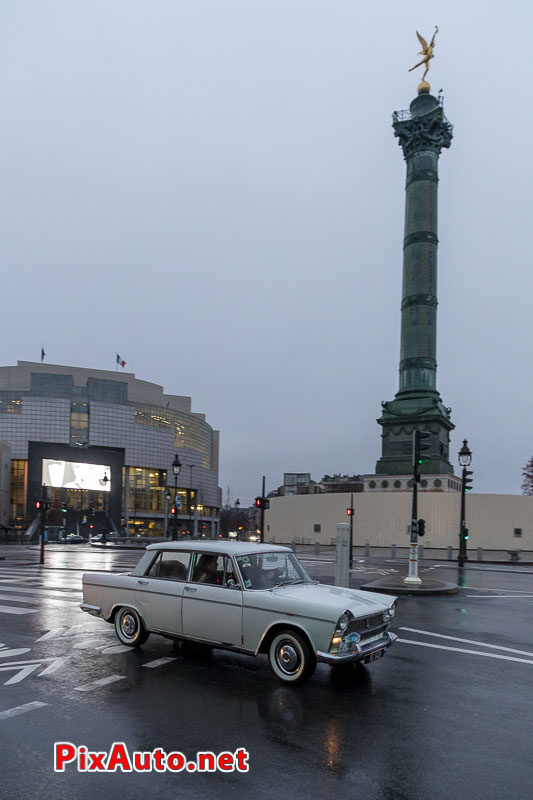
x,y
120,361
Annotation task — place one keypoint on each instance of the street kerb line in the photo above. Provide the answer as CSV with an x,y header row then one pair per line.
x,y
490,589
498,596
14,712
464,650
466,641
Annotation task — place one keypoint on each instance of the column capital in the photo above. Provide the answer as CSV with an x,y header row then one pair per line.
x,y
423,127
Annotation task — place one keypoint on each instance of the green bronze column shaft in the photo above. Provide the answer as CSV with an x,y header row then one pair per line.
x,y
422,133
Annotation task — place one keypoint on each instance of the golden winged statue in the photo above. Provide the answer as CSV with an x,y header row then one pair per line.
x,y
427,52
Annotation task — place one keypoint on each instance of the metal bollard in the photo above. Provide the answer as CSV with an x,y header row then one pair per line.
x,y
393,551
450,552
342,555
480,554
367,549
317,548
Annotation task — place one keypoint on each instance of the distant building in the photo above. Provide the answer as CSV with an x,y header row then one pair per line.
x,y
341,483
103,444
297,483
5,482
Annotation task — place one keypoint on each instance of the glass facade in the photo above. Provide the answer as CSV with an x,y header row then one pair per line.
x,y
96,409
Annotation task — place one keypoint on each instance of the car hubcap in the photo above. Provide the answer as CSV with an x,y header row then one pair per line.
x,y
287,658
129,625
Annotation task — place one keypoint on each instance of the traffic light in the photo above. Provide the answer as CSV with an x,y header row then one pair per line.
x,y
63,508
349,511
173,510
418,447
414,527
467,482
258,502
38,505
466,534
421,527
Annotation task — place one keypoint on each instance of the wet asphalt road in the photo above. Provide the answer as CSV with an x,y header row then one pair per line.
x,y
447,713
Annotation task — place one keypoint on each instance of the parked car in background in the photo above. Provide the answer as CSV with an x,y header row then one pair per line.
x,y
75,538
250,598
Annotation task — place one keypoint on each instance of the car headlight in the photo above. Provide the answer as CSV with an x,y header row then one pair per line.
x,y
390,612
343,622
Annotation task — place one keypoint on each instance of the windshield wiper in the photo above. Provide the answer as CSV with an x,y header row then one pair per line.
x,y
292,583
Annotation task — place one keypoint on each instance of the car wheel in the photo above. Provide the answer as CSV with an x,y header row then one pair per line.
x,y
129,627
291,658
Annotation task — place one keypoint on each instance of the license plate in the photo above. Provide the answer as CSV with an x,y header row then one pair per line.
x,y
373,656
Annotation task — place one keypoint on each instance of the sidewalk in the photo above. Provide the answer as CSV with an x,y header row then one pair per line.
x,y
429,554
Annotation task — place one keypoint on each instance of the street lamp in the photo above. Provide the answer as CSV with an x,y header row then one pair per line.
x,y
191,523
105,481
176,466
167,501
465,459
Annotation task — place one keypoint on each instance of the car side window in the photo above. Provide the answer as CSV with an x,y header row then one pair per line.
x,y
213,568
170,566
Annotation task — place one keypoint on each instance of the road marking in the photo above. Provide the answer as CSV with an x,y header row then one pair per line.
x,y
14,610
469,641
158,662
18,599
92,643
463,650
14,712
24,669
118,648
66,595
17,652
56,663
87,687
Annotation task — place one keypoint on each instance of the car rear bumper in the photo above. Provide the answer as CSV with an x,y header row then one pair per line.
x,y
360,651
96,611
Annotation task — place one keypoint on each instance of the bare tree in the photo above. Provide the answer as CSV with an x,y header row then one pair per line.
x,y
527,483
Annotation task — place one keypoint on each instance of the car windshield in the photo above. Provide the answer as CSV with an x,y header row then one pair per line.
x,y
268,570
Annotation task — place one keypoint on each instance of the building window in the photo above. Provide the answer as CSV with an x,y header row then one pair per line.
x,y
384,484
316,527
397,484
437,482
518,533
371,484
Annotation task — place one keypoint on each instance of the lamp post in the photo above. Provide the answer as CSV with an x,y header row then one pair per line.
x,y
167,501
176,466
191,523
105,481
465,459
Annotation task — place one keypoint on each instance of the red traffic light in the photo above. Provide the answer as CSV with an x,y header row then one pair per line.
x,y
259,502
173,510
349,511
38,504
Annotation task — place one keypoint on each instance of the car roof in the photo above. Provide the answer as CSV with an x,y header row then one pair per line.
x,y
220,546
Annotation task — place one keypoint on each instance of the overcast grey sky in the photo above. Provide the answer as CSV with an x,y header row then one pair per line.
x,y
212,189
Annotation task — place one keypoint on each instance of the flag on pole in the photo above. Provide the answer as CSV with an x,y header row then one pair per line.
x,y
120,361
42,354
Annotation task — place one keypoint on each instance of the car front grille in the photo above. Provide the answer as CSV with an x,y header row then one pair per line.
x,y
365,624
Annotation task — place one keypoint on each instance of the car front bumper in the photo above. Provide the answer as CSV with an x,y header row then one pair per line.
x,y
360,651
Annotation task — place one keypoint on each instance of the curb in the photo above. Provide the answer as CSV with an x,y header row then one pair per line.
x,y
426,587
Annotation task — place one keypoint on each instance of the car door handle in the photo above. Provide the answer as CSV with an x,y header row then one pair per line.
x,y
191,588
144,583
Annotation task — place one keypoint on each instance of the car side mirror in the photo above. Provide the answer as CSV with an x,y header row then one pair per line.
x,y
231,584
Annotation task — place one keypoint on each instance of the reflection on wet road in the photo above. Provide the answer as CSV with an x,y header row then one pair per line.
x,y
446,713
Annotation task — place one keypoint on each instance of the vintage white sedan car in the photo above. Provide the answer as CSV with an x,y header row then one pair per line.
x,y
246,597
